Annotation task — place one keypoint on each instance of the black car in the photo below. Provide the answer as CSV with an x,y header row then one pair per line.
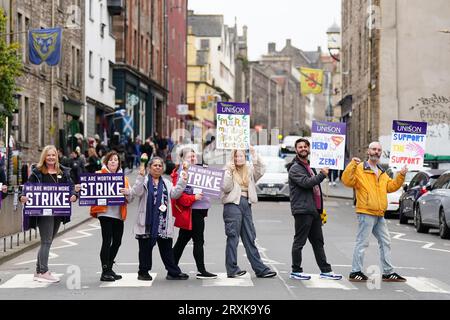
x,y
416,188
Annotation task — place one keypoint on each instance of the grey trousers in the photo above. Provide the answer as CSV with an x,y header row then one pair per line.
x,y
48,228
239,222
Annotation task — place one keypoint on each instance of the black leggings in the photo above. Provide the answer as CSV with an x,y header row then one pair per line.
x,y
112,231
197,235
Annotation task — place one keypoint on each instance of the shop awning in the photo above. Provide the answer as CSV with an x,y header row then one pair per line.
x,y
72,107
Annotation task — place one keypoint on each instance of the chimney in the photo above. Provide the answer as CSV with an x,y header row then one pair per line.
x,y
288,43
272,47
244,31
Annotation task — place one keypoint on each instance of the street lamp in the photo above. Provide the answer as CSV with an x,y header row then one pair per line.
x,y
334,40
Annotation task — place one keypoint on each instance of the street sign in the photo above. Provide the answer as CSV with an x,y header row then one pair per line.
x,y
182,109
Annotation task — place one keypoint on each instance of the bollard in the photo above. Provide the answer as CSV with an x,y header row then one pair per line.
x,y
18,239
4,244
10,242
35,233
30,234
24,237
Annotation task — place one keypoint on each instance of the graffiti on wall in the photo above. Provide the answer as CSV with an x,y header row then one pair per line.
x,y
434,110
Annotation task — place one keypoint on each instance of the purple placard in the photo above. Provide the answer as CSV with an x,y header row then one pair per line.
x,y
208,181
237,108
329,127
401,126
47,199
101,189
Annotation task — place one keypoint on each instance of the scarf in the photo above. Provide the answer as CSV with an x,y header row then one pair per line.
x,y
155,220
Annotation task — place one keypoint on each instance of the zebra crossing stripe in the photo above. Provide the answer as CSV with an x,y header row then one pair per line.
x,y
25,281
317,283
128,280
422,284
223,281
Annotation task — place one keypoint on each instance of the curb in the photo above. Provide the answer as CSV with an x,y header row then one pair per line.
x,y
34,243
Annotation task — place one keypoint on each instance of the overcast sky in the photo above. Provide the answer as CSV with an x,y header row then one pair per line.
x,y
303,21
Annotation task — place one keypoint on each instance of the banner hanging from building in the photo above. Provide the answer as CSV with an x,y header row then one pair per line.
x,y
45,46
311,81
233,125
205,180
47,199
408,144
101,189
328,145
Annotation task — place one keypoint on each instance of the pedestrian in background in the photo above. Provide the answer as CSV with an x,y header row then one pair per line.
x,y
238,194
48,170
371,184
93,162
111,220
191,209
154,223
307,206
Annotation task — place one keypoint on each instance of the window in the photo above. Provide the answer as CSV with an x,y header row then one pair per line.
x,y
111,72
91,16
73,64
23,113
90,64
204,44
41,124
102,79
442,182
26,46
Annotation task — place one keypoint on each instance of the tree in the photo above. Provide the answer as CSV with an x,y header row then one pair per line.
x,y
10,69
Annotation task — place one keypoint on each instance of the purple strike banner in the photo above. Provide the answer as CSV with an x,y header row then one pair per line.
x,y
206,180
47,199
101,189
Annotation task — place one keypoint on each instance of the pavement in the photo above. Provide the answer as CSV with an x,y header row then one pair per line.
x,y
336,191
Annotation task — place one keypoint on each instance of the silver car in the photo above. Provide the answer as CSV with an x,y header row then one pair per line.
x,y
433,210
274,183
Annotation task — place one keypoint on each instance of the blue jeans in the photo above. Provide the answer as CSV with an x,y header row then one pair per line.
x,y
377,225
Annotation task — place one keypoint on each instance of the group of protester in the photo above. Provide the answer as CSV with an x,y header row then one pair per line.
x,y
164,204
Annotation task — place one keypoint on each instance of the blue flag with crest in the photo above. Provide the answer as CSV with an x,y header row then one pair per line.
x,y
45,45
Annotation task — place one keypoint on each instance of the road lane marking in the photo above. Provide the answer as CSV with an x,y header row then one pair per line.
x,y
25,281
422,284
223,281
129,280
317,283
428,245
52,255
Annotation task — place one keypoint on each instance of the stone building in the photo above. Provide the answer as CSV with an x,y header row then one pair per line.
x,y
394,67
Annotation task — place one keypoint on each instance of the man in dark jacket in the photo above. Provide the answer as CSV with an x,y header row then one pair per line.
x,y
306,207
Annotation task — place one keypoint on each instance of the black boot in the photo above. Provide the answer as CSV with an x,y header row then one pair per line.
x,y
106,274
112,273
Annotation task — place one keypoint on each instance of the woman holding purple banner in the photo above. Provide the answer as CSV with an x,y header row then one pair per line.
x,y
111,220
239,193
195,208
48,170
154,223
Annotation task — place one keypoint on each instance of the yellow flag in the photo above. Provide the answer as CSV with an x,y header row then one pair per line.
x,y
311,81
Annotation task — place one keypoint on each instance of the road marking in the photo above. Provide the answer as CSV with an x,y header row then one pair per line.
x,y
428,245
264,256
25,281
223,281
128,280
422,284
70,243
317,283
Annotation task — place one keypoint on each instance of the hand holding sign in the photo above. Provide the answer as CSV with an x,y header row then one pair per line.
x,y
357,160
23,199
73,198
198,196
325,171
404,170
124,191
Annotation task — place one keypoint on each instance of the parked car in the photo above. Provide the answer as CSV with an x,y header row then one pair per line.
x,y
416,188
433,210
288,145
394,197
274,182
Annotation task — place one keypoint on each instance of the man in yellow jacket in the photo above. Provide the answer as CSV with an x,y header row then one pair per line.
x,y
371,185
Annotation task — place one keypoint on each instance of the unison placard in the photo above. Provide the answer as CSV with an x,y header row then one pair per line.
x,y
328,145
101,189
47,199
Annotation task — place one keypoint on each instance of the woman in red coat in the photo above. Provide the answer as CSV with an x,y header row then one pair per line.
x,y
190,211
